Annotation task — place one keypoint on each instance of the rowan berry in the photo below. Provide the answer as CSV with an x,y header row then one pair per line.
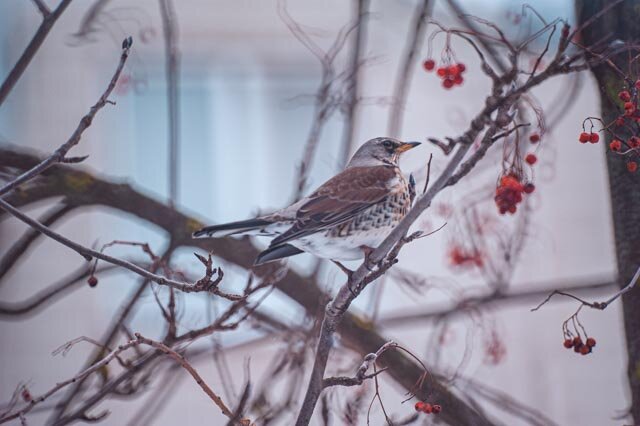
x,y
429,65
531,159
625,96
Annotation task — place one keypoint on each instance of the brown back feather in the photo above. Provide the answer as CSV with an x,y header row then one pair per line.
x,y
340,199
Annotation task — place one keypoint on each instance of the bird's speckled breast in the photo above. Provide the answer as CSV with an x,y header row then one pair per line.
x,y
369,228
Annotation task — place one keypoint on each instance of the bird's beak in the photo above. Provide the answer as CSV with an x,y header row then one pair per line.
x,y
406,146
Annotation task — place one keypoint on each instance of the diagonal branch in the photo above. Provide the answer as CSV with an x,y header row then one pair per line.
x,y
48,21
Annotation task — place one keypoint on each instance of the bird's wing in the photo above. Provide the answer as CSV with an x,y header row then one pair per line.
x,y
339,200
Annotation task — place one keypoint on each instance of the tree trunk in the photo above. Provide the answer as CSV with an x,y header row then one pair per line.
x,y
620,23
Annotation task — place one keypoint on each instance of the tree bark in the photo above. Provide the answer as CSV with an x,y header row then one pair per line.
x,y
620,23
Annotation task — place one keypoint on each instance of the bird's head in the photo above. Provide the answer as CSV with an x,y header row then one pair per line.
x,y
379,151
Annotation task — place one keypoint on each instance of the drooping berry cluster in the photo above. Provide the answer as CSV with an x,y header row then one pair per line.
x,y
427,408
451,74
573,330
510,190
624,130
578,346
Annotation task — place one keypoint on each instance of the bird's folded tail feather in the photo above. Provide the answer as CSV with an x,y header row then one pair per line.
x,y
249,226
277,252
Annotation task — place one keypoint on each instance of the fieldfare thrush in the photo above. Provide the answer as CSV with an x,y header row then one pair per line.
x,y
344,218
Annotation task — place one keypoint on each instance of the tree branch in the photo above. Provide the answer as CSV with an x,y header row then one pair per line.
x,y
32,48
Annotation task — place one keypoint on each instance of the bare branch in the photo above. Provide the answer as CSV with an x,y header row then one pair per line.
x,y
25,59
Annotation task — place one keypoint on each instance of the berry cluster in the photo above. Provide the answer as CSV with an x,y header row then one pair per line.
x,y
451,75
627,123
578,346
425,407
589,137
510,189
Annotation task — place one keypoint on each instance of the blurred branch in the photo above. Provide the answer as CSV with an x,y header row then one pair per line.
x,y
49,19
326,101
497,299
172,57
352,82
17,310
30,236
59,156
406,66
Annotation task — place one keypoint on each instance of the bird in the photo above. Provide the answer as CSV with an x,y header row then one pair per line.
x,y
345,218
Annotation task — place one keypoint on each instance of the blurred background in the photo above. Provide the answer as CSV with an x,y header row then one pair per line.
x,y
245,107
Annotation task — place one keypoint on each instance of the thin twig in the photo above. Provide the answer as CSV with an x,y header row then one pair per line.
x,y
31,50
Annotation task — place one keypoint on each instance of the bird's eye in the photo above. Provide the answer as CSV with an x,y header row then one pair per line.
x,y
387,144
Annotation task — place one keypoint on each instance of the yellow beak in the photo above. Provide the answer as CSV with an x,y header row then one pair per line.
x,y
406,146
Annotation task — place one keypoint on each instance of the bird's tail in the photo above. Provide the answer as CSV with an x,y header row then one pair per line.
x,y
249,226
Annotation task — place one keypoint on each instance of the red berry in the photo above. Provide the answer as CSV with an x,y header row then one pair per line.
x,y
620,121
584,349
568,343
594,138
531,159
534,138
92,281
458,80
512,209
633,142
447,83
453,70
577,341
463,68
577,348
629,106
637,84
427,408
624,96
584,137
441,72
591,342
436,408
529,188
419,405
615,145
632,166
429,64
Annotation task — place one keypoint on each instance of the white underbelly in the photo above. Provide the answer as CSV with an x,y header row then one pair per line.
x,y
342,248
